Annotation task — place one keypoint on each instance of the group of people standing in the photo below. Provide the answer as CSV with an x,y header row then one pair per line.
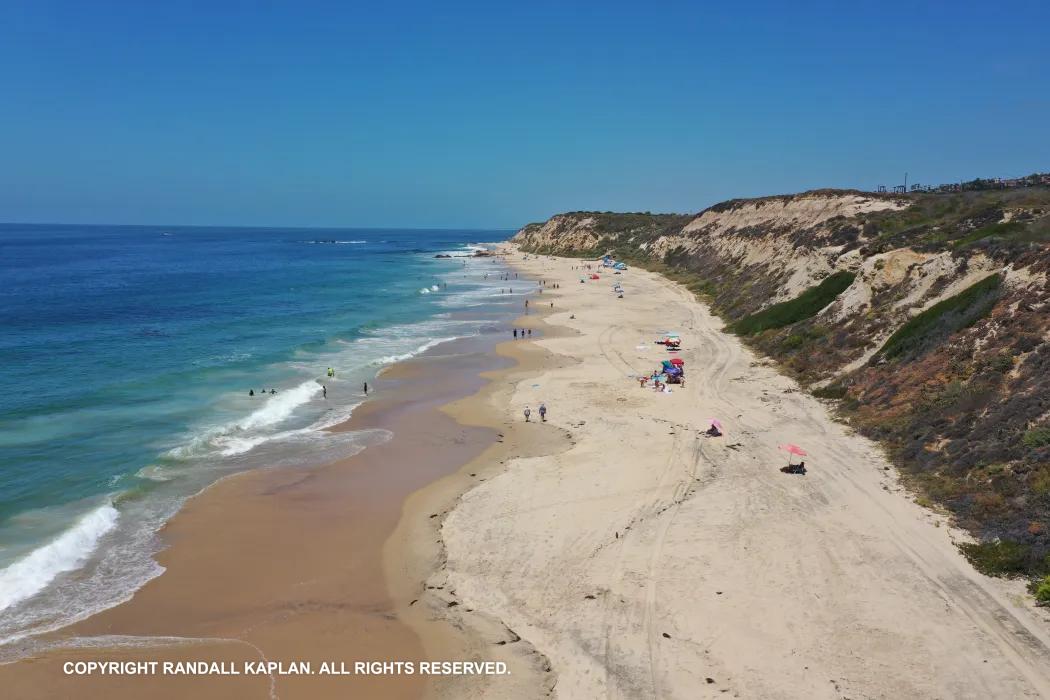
x,y
522,331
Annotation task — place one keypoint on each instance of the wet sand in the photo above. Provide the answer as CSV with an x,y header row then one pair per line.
x,y
286,564
415,555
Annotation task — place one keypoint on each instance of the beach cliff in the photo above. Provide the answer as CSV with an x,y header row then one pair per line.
x,y
923,316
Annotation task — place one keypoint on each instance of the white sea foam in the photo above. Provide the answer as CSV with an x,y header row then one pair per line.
x,y
240,436
153,472
279,406
333,242
424,290
390,359
31,574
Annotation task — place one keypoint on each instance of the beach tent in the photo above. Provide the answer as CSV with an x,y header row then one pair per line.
x,y
620,266
677,361
595,277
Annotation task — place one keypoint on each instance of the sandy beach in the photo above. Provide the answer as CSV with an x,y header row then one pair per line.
x,y
283,565
611,551
640,558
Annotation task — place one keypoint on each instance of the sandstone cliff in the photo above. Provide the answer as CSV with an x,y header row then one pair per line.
x,y
927,317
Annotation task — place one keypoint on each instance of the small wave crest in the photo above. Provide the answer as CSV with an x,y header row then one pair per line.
x,y
242,435
279,406
390,359
31,574
332,241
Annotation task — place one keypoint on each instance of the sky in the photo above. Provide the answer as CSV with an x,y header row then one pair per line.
x,y
494,114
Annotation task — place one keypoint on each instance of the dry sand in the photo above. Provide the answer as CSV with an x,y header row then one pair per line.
x,y
640,558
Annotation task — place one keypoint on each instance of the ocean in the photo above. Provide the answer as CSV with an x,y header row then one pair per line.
x,y
127,355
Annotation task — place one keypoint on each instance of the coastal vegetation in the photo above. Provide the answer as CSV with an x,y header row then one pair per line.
x,y
997,558
964,220
805,305
1041,591
942,319
954,384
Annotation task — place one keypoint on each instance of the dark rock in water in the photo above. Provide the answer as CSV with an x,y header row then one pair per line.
x,y
442,255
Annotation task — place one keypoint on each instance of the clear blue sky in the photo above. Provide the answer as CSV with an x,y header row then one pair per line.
x,y
493,114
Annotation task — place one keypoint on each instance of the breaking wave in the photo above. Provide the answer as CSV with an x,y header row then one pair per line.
x,y
31,574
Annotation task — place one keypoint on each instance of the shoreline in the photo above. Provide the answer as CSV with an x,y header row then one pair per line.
x,y
616,550
177,617
414,555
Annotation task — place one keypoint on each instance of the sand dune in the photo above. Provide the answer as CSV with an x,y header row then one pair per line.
x,y
650,561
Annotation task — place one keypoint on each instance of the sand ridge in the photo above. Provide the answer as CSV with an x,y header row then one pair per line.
x,y
648,560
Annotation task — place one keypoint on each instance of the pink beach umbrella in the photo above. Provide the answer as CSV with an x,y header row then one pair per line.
x,y
792,449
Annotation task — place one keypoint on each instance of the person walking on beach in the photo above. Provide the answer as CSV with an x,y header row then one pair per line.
x,y
366,388
251,392
515,333
530,332
528,412
543,412
324,392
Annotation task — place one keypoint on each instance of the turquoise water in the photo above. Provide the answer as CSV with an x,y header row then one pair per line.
x,y
127,357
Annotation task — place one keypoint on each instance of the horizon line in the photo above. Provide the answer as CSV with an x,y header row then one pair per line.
x,y
266,227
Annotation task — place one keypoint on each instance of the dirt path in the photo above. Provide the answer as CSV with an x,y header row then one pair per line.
x,y
650,561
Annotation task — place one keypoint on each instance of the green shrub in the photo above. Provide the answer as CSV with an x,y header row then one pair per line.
x,y
831,391
1001,558
1006,229
805,305
1041,591
1040,482
1037,437
943,318
1003,363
